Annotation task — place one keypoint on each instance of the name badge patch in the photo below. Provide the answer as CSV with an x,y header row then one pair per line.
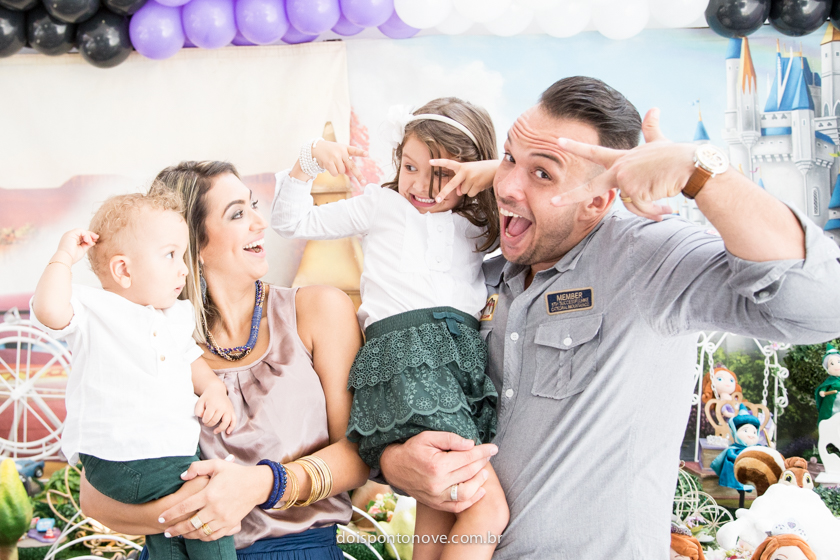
x,y
569,300
489,308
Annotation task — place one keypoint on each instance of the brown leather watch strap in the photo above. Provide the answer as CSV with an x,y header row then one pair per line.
x,y
696,182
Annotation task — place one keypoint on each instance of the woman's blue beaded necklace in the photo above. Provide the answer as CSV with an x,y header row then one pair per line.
x,y
239,352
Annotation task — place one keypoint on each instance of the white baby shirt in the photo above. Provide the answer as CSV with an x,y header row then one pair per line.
x,y
130,394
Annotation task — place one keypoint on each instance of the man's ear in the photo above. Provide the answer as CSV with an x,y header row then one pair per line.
x,y
598,206
119,266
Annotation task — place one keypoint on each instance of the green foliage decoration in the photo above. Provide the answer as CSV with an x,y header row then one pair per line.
x,y
831,498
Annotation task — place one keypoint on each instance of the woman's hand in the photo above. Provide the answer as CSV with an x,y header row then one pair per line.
x,y
233,491
471,177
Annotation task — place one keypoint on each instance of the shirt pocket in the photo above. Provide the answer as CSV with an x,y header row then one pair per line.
x,y
566,353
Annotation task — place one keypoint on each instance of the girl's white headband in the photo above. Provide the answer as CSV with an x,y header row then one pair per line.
x,y
400,115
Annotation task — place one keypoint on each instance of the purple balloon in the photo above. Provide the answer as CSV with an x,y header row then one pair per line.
x,y
240,41
261,22
367,13
210,24
156,31
172,3
345,28
313,16
293,37
395,28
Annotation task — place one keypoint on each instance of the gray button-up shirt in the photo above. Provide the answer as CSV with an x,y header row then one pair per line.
x,y
594,362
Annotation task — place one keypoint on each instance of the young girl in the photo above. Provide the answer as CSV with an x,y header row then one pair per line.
x,y
422,365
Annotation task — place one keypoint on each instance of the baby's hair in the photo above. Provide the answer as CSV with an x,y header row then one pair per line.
x,y
481,210
116,219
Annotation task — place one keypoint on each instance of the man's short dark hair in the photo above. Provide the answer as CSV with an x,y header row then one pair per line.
x,y
593,102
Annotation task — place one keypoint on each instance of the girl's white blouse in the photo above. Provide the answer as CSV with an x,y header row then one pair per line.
x,y
412,260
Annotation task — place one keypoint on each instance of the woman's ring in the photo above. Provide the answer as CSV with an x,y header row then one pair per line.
x,y
196,522
625,199
453,493
206,529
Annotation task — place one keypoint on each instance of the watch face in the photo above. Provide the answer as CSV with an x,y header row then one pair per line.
x,y
712,158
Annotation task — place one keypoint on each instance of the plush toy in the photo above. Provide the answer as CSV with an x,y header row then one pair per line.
x,y
720,384
15,510
796,473
776,507
684,546
784,547
760,467
744,427
826,393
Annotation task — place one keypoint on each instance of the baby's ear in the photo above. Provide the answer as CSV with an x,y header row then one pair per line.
x,y
119,268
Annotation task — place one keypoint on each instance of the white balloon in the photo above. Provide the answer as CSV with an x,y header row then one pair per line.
x,y
455,24
537,4
512,22
422,14
566,19
677,13
621,19
481,11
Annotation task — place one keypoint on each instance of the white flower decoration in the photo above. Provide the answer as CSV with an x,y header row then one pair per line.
x,y
393,129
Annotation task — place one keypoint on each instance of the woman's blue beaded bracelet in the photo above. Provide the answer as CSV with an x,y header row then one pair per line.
x,y
279,487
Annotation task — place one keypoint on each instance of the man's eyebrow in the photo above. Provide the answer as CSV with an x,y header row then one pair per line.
x,y
552,157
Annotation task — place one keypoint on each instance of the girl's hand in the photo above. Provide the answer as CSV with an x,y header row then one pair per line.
x,y
214,407
337,158
75,243
233,491
470,178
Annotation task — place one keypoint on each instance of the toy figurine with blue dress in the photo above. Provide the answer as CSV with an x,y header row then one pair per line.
x,y
744,427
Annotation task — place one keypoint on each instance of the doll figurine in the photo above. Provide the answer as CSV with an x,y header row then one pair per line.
x,y
826,393
744,427
720,384
684,546
784,547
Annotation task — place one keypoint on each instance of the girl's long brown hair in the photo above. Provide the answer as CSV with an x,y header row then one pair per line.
x,y
481,210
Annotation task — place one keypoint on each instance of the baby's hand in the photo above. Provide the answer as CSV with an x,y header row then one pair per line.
x,y
336,158
75,243
214,407
471,177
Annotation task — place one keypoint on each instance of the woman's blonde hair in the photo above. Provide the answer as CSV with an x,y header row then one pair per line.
x,y
482,210
191,180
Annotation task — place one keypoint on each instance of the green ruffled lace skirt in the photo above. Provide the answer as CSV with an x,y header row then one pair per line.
x,y
420,370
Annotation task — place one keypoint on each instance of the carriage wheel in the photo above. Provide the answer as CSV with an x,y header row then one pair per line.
x,y
33,371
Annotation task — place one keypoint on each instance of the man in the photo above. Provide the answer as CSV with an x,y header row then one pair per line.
x,y
592,339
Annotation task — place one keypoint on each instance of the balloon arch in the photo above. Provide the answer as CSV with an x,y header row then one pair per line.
x,y
105,31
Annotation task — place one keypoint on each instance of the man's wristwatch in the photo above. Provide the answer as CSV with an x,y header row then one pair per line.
x,y
709,161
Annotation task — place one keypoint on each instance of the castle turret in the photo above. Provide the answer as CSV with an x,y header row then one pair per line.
x,y
742,125
802,118
700,134
830,72
832,227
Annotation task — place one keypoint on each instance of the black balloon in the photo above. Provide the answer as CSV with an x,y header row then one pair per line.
x,y
124,7
71,11
103,39
798,17
736,18
49,35
12,32
835,13
18,5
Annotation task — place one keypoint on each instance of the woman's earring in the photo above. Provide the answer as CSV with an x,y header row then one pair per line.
x,y
203,284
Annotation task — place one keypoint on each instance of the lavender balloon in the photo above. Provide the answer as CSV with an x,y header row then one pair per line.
x,y
345,28
395,28
172,3
293,37
367,13
261,22
156,31
210,24
313,16
240,41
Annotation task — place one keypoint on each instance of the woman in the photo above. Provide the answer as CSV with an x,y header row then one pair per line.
x,y
288,384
